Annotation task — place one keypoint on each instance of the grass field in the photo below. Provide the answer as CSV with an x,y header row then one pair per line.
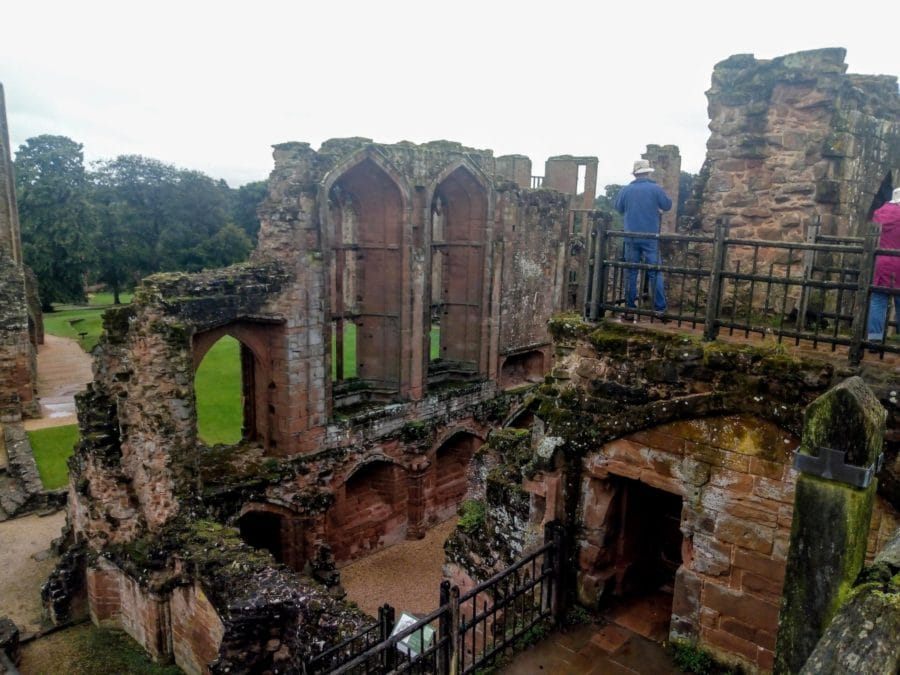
x,y
81,322
218,390
52,448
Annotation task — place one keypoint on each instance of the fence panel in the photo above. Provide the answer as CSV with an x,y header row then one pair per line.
x,y
466,632
816,290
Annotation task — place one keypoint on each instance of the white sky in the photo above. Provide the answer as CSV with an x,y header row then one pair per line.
x,y
212,85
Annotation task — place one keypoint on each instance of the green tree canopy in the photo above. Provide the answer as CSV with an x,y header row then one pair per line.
x,y
56,217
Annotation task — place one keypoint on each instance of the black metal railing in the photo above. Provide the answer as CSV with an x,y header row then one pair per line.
x,y
466,632
817,290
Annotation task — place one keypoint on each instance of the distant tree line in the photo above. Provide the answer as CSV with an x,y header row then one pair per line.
x,y
123,218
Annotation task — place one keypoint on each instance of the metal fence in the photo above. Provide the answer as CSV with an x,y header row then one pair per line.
x,y
817,290
467,631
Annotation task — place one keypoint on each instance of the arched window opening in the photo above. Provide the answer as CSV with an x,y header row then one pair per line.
x,y
366,212
521,369
219,384
459,212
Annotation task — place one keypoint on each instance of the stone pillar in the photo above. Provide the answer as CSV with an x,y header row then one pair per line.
x,y
415,506
666,161
842,438
9,215
863,635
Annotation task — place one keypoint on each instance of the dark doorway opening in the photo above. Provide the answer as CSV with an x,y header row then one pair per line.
x,y
263,530
645,553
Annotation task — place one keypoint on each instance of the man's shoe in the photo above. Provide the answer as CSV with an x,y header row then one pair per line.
x,y
661,317
627,318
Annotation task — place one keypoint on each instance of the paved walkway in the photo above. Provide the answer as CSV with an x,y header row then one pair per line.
x,y
25,556
627,640
63,370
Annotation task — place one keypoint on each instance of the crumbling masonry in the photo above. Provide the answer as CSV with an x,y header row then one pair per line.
x,y
21,330
355,436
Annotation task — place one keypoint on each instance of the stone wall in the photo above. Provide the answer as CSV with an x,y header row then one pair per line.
x,y
666,162
796,140
18,372
326,470
712,426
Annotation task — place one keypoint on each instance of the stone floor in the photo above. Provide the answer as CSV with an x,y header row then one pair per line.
x,y
627,639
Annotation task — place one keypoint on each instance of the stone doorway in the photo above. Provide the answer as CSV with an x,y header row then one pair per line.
x,y
261,529
644,553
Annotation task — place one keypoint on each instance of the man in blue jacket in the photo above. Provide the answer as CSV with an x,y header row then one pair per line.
x,y
641,202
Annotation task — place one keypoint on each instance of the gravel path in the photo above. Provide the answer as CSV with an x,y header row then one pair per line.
x,y
25,563
25,558
63,370
406,575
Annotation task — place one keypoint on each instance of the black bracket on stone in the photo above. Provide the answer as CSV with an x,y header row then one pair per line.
x,y
830,464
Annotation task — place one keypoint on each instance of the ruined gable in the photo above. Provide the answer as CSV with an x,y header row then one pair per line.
x,y
795,141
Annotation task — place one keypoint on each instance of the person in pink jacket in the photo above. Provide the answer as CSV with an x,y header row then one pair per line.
x,y
887,268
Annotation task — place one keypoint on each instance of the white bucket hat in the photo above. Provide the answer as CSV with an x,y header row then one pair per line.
x,y
642,166
895,197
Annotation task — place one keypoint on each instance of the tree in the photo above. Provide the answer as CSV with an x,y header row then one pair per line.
x,y
135,190
606,202
246,202
227,246
56,218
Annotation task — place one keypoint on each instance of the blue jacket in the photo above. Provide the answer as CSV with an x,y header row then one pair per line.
x,y
641,201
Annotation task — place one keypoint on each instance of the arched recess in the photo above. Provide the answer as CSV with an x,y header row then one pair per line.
x,y
460,208
369,511
452,459
275,529
366,217
258,404
522,368
701,503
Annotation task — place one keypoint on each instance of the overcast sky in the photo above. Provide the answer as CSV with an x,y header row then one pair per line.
x,y
207,86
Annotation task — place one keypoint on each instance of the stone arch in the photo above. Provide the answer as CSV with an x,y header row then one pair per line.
x,y
461,213
275,528
369,510
257,386
452,458
727,483
366,212
522,417
527,367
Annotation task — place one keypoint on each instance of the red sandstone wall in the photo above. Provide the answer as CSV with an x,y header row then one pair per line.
x,y
737,487
197,630
181,625
735,478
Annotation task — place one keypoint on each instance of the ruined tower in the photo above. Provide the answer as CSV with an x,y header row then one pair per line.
x,y
797,140
19,327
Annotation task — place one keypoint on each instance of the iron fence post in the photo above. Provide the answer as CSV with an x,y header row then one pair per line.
x,y
456,644
444,631
598,276
809,264
386,619
555,564
711,325
861,302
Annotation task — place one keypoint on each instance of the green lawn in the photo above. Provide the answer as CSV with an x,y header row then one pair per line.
x,y
52,448
218,388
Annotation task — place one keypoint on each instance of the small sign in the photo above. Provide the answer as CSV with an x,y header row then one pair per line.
x,y
417,641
